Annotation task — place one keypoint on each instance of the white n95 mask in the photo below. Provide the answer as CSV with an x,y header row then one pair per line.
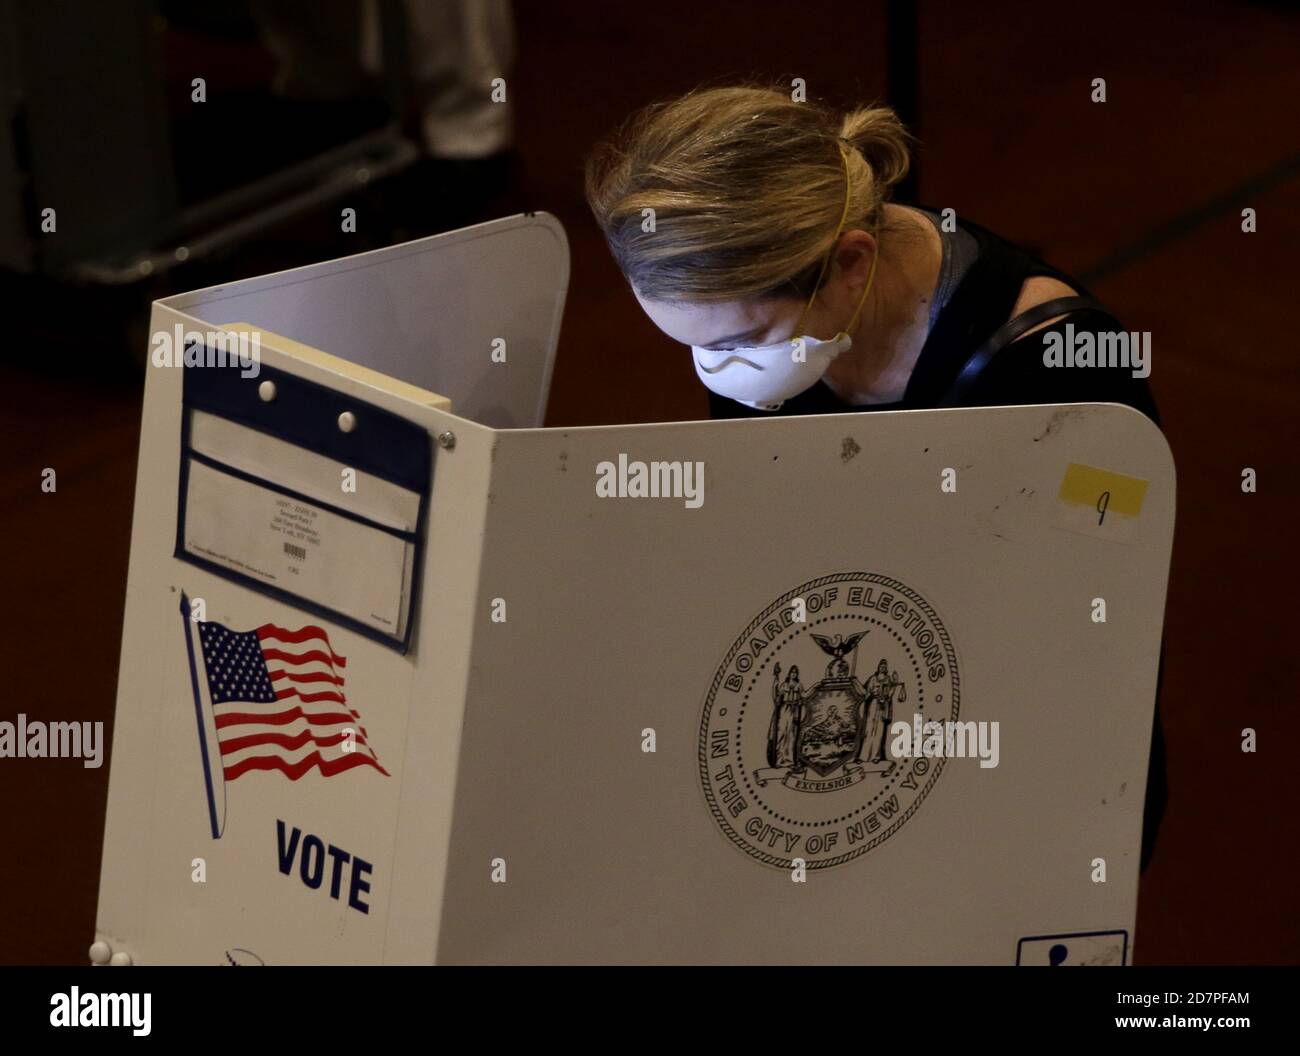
x,y
766,376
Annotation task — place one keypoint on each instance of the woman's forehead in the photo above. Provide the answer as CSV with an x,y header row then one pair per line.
x,y
716,322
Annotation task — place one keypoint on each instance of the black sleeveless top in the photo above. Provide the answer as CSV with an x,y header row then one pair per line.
x,y
1016,375
981,303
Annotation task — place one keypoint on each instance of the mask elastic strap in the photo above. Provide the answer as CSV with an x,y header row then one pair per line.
x,y
871,277
844,215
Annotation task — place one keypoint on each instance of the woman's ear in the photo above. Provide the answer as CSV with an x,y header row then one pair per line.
x,y
853,256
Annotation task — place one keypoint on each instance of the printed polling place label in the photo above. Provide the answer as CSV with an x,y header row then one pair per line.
x,y
345,564
1100,503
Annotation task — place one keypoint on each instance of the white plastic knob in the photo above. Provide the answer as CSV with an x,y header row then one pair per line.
x,y
100,952
121,958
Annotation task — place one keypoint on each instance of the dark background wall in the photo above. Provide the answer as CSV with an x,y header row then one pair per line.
x,y
1141,197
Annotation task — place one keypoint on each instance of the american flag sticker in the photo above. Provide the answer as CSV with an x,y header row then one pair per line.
x,y
272,698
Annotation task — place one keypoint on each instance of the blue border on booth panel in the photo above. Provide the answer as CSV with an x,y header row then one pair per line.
x,y
303,413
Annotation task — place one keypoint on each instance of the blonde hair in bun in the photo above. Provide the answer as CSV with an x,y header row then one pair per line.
x,y
746,188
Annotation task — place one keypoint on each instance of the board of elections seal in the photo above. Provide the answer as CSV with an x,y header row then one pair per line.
x,y
795,750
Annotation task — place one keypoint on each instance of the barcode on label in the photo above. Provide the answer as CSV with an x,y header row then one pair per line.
x,y
293,550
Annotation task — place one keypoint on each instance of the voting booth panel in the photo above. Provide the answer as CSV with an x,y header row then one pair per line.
x,y
406,678
635,615
265,473
427,313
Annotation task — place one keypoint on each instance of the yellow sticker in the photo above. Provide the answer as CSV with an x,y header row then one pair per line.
x,y
1103,492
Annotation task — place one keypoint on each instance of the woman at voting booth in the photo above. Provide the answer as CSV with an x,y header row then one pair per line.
x,y
376,766
759,231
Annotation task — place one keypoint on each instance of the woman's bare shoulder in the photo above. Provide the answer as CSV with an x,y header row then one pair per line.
x,y
1036,290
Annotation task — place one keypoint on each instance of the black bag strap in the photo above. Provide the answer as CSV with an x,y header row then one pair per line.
x,y
1007,333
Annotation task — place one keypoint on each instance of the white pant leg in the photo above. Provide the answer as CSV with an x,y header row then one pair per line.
x,y
456,49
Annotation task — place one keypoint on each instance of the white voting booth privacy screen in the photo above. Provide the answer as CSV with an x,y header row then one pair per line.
x,y
408,678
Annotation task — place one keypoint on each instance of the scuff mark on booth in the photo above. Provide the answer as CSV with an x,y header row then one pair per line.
x,y
1055,422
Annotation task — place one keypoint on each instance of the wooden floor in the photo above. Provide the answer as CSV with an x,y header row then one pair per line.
x,y
1141,195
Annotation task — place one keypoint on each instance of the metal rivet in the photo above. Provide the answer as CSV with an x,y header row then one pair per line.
x,y
267,391
447,440
347,421
100,952
121,958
